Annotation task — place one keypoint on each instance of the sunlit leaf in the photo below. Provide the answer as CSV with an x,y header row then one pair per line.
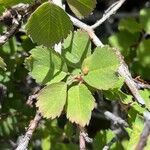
x,y
76,47
82,8
48,24
146,96
51,100
80,104
100,68
135,134
45,65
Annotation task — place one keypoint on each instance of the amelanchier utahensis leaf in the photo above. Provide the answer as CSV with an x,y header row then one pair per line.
x,y
100,68
77,46
48,24
51,100
45,65
82,8
80,104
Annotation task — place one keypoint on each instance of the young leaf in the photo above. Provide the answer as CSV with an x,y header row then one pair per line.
x,y
82,8
80,104
100,68
48,25
45,65
130,25
51,100
76,47
144,19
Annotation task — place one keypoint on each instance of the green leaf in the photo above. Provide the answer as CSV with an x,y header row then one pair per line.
x,y
143,53
46,142
7,3
133,111
100,68
120,41
102,138
76,47
69,129
2,64
138,69
135,134
145,19
82,8
45,65
80,104
146,96
66,146
51,100
130,25
48,25
118,95
2,9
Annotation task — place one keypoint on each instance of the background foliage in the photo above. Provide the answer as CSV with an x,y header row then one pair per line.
x,y
75,88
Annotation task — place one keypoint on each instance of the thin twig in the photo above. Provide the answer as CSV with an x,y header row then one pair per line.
x,y
97,14
88,29
82,141
31,100
23,144
141,85
13,18
112,117
145,133
16,24
110,11
124,72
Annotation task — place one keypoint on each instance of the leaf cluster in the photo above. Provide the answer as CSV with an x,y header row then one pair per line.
x,y
74,85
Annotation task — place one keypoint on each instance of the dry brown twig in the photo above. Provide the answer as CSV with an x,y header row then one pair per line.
x,y
15,26
13,17
23,143
110,116
141,85
83,139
